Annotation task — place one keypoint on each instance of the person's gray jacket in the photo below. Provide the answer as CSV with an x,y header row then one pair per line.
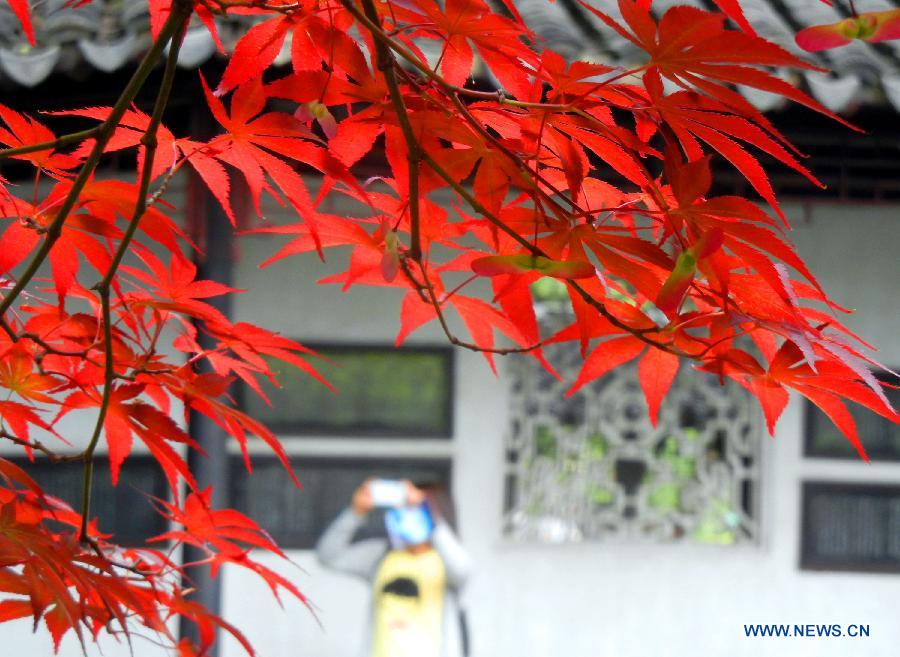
x,y
336,550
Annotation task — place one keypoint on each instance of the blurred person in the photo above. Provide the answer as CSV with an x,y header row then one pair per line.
x,y
415,573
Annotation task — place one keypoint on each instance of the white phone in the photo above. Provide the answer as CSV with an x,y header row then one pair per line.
x,y
387,493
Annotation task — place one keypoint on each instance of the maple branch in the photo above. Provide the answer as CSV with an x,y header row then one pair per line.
x,y
50,349
382,37
53,144
499,96
415,239
52,456
88,454
384,44
149,141
415,155
8,329
142,574
536,175
385,63
615,78
222,6
535,250
458,287
164,185
404,52
418,286
480,208
46,346
180,12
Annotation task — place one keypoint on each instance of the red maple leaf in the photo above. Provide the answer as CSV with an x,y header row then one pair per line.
x,y
252,138
692,48
314,39
175,287
498,40
23,130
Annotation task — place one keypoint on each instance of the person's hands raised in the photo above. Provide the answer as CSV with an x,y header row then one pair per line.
x,y
361,503
414,495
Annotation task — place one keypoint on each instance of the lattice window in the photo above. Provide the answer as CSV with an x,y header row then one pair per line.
x,y
591,466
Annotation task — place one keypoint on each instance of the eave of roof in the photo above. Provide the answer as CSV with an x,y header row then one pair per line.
x,y
111,34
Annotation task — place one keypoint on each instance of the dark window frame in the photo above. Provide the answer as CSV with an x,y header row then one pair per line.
x,y
307,540
101,470
810,412
808,559
446,432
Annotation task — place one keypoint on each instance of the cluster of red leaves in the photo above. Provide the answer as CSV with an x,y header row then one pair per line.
x,y
53,357
48,575
73,578
655,267
697,273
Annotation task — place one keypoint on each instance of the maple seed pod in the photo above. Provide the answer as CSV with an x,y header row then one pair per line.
x,y
390,261
316,111
524,263
676,286
872,26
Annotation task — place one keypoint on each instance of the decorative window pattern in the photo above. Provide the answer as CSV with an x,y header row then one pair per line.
x,y
591,466
383,391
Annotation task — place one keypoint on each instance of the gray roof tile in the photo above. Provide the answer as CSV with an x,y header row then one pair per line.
x,y
110,34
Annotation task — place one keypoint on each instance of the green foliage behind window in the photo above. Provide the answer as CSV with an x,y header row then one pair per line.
x,y
381,391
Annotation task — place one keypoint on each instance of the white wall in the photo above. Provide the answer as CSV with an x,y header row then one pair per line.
x,y
587,600
623,600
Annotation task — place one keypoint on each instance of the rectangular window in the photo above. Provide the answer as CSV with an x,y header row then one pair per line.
x,y
850,527
880,437
382,391
296,518
125,511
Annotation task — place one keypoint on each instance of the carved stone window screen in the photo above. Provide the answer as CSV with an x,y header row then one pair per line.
x,y
590,467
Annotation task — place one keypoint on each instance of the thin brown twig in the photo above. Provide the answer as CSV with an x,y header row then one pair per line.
x,y
52,144
535,250
385,63
456,289
428,294
383,40
52,455
415,154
